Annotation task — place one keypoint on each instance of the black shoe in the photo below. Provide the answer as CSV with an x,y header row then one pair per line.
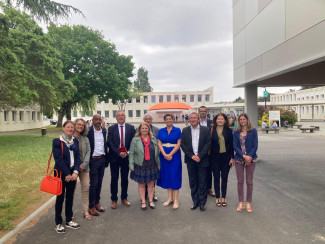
x,y
144,206
155,198
195,205
202,207
152,206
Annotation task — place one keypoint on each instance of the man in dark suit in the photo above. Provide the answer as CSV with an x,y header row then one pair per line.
x,y
98,162
204,121
119,139
195,145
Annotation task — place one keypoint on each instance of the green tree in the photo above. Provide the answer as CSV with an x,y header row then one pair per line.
x,y
30,68
239,100
142,81
44,10
93,66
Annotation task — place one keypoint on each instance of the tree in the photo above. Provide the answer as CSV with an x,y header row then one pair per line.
x,y
92,65
239,100
142,81
44,10
30,68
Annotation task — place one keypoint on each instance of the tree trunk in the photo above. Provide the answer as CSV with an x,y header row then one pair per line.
x,y
60,118
68,111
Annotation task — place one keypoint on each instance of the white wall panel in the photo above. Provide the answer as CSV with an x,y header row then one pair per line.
x,y
239,76
238,17
251,10
239,49
266,31
302,14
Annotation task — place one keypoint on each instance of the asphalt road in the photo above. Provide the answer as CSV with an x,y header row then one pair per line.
x,y
288,206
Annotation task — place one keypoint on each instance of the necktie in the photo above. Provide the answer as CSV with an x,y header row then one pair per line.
x,y
122,136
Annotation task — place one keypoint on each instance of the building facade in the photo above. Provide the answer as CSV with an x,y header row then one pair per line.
x,y
21,119
277,43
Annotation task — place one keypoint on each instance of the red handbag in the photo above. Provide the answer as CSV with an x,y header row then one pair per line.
x,y
52,184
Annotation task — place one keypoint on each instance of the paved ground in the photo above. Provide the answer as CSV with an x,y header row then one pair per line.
x,y
288,205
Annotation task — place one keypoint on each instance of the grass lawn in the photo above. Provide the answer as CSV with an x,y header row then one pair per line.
x,y
23,164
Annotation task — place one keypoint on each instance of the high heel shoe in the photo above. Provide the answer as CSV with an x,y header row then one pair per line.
x,y
249,207
152,206
168,202
175,206
240,207
218,203
145,206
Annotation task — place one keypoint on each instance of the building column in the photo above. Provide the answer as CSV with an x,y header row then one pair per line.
x,y
251,103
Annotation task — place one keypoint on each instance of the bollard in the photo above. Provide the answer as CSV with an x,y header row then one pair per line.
x,y
43,130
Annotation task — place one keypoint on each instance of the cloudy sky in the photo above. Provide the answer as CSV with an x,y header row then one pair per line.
x,y
184,45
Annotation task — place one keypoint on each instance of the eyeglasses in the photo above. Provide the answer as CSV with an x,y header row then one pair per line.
x,y
80,125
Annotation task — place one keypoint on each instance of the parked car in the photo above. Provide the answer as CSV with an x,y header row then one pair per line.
x,y
53,122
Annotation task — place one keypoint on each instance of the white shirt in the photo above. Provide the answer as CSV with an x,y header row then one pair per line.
x,y
204,123
119,131
264,124
195,139
99,143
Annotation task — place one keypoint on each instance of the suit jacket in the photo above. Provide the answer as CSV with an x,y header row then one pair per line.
x,y
251,144
215,147
154,130
62,164
204,146
91,138
113,140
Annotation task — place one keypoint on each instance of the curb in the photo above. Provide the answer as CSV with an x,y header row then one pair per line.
x,y
26,221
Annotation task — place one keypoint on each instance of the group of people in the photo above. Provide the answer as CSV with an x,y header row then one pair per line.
x,y
153,157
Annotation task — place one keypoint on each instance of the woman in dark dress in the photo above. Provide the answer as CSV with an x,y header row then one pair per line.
x,y
221,155
144,163
169,142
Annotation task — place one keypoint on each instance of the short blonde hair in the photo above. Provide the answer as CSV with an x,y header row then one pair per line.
x,y
138,133
249,124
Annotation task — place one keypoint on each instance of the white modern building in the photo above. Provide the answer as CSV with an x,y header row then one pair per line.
x,y
21,118
277,43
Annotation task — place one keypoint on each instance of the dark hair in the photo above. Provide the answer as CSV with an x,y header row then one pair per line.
x,y
214,121
203,107
67,122
170,115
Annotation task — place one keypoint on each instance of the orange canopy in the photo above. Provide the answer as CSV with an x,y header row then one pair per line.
x,y
170,105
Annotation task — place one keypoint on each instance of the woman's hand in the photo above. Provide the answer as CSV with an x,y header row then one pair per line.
x,y
132,170
74,176
168,157
231,162
81,168
159,168
68,178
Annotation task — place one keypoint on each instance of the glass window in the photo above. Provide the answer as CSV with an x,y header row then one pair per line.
x,y
303,110
316,109
322,109
83,114
130,113
14,116
130,100
38,115
137,100
75,114
161,99
207,97
106,113
33,115
322,96
114,113
191,98
153,99
5,116
145,99
176,98
145,111
169,98
27,116
184,98
21,115
199,98
138,113
99,112
307,110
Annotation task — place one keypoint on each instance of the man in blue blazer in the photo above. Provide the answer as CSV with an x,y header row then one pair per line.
x,y
204,121
119,140
97,163
195,144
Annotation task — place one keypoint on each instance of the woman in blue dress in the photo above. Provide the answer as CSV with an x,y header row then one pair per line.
x,y
169,142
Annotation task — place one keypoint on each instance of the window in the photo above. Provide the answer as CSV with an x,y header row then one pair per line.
x,y
130,100
317,96
307,110
33,115
75,114
199,98
153,99
138,113
130,113
191,98
114,113
145,111
145,99
137,100
169,98
38,115
161,99
14,116
99,112
27,116
316,108
21,115
106,113
207,97
322,109
322,96
176,98
184,98
294,97
303,110
83,114
5,116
